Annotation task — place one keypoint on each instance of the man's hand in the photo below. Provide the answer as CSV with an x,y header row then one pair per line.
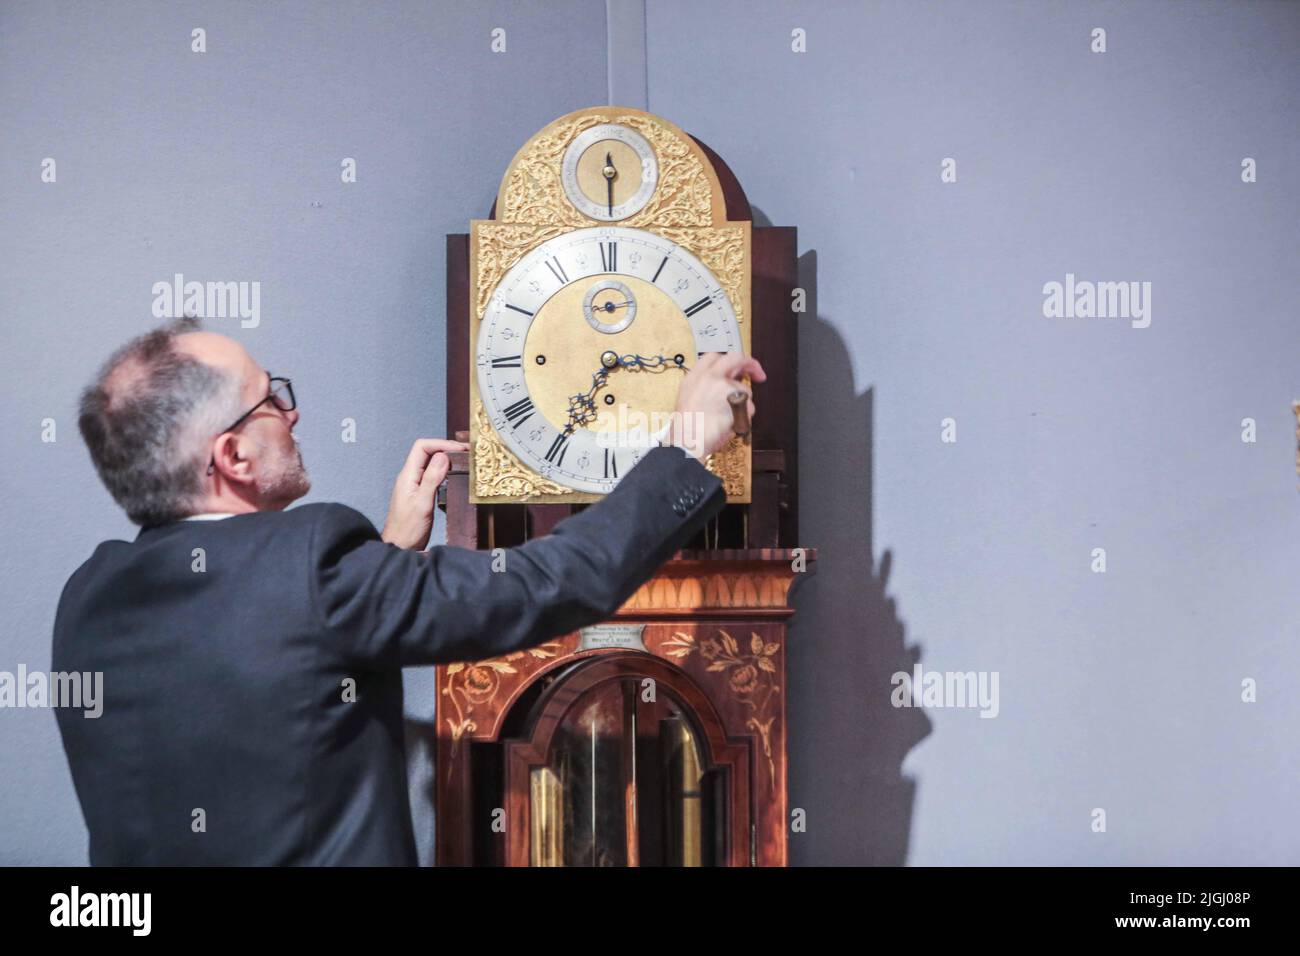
x,y
703,421
410,510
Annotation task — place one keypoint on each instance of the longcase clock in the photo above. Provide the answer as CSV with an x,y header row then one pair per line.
x,y
620,249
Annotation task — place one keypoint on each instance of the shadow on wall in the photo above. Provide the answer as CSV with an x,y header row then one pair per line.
x,y
847,742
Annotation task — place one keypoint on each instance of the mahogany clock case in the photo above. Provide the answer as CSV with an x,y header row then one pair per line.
x,y
555,755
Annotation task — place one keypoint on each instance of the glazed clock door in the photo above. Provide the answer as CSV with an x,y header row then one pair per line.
x,y
583,346
612,776
625,786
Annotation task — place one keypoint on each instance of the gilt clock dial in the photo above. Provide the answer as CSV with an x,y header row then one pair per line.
x,y
608,264
583,346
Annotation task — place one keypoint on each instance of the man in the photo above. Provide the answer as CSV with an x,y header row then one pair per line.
x,y
252,656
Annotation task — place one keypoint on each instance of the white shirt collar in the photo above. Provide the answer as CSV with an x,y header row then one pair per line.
x,y
210,516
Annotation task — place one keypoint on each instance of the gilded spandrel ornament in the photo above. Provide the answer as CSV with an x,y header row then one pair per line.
x,y
730,463
723,250
499,247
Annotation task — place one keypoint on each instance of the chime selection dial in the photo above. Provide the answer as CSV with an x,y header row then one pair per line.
x,y
609,172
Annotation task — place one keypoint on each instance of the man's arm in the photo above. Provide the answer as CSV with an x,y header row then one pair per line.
x,y
385,606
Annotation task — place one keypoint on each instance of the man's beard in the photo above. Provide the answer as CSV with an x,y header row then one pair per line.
x,y
285,479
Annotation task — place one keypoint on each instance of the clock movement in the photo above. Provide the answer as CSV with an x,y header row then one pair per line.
x,y
619,249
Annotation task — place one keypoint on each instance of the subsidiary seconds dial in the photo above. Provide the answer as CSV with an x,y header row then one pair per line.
x,y
588,337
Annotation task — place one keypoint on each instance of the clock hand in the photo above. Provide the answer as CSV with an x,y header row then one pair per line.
x,y
610,172
657,361
582,407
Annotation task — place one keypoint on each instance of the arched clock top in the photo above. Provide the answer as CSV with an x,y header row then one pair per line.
x,y
666,178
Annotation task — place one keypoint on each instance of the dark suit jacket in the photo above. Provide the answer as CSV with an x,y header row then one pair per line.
x,y
224,688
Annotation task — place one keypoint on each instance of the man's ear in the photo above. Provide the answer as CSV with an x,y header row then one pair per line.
x,y
230,453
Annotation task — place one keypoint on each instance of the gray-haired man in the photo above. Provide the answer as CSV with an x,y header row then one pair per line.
x,y
229,628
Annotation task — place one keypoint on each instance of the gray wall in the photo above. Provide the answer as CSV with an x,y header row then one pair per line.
x,y
1118,690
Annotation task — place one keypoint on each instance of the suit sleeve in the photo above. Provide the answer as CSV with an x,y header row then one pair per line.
x,y
386,607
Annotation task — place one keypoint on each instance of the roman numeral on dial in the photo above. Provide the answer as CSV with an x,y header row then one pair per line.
x,y
609,257
699,305
507,361
555,454
519,412
611,464
557,270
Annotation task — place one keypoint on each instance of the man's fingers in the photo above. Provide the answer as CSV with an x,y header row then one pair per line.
x,y
415,463
738,365
434,473
421,453
430,445
708,359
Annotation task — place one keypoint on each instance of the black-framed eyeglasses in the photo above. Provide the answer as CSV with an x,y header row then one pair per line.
x,y
279,393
